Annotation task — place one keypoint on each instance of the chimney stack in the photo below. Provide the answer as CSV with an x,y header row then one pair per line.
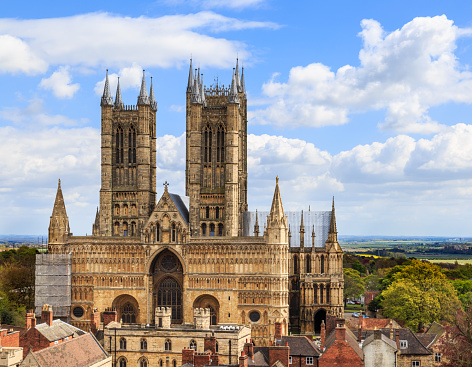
x,y
46,314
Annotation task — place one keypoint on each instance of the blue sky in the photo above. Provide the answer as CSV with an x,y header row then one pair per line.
x,y
367,101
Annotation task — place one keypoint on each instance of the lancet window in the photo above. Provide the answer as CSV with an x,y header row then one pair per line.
x,y
119,145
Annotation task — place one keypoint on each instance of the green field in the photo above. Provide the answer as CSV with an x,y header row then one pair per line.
x,y
461,261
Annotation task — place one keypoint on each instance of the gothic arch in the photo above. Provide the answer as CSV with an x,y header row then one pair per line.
x,y
208,301
126,306
150,263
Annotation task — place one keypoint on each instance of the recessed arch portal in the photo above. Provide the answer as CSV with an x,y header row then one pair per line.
x,y
207,301
320,316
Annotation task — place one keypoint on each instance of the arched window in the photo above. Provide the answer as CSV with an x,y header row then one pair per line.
x,y
117,209
193,345
160,363
169,294
217,214
321,295
212,316
125,229
123,344
295,264
220,229
128,315
117,228
207,212
204,228
122,362
174,363
207,145
125,209
143,362
168,345
308,263
119,145
133,228
322,264
216,347
212,229
220,144
143,344
173,232
157,230
132,145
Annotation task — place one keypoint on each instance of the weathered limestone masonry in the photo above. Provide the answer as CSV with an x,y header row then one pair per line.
x,y
201,251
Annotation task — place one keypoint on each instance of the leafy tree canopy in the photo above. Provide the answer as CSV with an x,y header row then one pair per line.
x,y
353,284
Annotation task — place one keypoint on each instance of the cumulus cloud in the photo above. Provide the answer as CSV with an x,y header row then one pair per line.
x,y
130,77
17,56
153,42
60,83
405,72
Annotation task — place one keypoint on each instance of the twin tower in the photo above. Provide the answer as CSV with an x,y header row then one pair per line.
x,y
216,159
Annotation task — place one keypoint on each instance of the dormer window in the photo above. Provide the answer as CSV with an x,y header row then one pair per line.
x,y
403,344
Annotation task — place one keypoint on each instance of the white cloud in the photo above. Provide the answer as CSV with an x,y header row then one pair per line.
x,y
130,77
117,41
17,56
60,83
405,72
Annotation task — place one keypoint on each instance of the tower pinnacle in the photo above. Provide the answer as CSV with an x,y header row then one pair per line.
x,y
152,99
107,100
143,98
233,92
190,79
118,100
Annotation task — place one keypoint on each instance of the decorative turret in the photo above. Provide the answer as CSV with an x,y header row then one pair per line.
x,y
313,237
333,233
202,91
96,225
152,99
243,86
238,80
143,98
233,92
59,222
190,79
276,220
302,233
256,227
196,91
201,318
118,101
107,100
289,236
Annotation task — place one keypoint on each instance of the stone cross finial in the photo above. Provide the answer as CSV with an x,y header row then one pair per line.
x,y
166,184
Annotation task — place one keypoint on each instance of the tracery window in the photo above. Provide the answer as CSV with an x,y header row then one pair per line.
x,y
193,345
119,145
168,345
143,363
143,344
132,145
123,344
169,294
212,316
122,362
128,315
220,144
207,145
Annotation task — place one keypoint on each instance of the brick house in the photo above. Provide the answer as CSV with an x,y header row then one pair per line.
x,y
49,332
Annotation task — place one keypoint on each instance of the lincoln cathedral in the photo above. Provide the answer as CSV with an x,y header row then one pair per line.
x,y
203,249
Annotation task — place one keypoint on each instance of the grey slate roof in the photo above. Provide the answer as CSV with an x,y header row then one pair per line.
x,y
384,338
320,219
415,347
182,204
58,330
301,346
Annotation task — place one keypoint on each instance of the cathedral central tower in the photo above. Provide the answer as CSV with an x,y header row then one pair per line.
x,y
128,160
216,155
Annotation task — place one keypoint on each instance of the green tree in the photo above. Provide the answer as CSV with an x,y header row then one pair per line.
x,y
353,284
359,267
464,291
419,294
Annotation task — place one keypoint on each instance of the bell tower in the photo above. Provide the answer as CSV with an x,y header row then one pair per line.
x,y
128,160
216,155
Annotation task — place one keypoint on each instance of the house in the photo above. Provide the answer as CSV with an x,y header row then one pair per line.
x,y
379,351
49,332
80,351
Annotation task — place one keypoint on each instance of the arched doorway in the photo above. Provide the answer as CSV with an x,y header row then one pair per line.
x,y
127,309
320,316
167,276
207,301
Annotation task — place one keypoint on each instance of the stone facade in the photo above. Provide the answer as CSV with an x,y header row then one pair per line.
x,y
195,251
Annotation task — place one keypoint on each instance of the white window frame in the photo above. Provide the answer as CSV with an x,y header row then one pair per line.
x,y
437,357
309,361
415,363
289,359
404,345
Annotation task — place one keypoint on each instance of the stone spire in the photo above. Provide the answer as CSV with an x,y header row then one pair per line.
x,y
152,99
190,79
107,100
302,232
59,222
289,236
202,91
243,85
276,220
238,79
256,227
313,237
118,101
233,91
96,225
143,98
333,233
195,97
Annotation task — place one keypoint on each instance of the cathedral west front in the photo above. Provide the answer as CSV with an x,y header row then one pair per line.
x,y
203,249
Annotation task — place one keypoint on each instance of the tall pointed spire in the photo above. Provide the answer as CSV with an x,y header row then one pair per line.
x,y
107,100
302,232
59,222
190,78
195,97
243,85
143,96
238,79
118,100
333,232
152,99
233,92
